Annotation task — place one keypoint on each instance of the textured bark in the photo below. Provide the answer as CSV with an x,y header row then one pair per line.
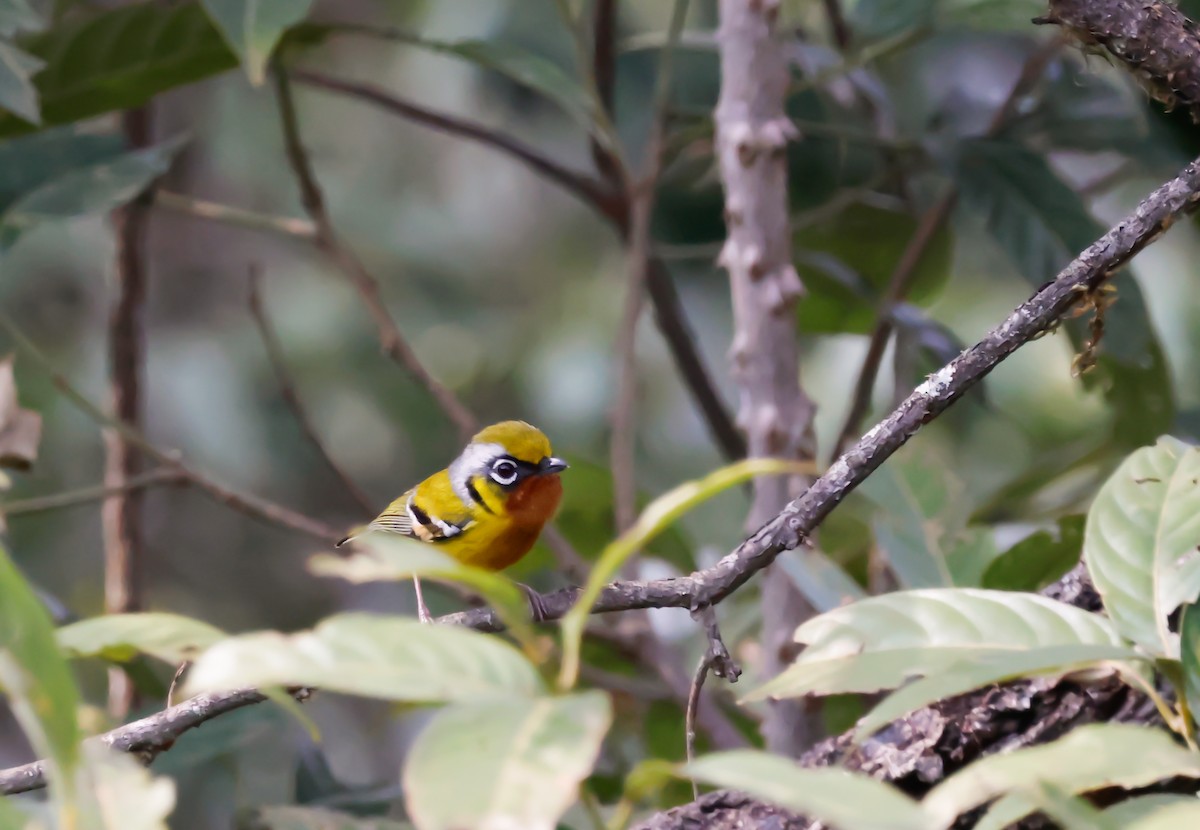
x,y
752,133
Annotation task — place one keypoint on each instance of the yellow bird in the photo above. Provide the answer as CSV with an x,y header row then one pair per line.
x,y
488,507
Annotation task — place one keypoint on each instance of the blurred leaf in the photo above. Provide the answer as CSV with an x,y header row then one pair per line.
x,y
35,675
884,641
653,520
122,794
923,508
389,557
1042,224
17,92
391,658
821,580
505,763
1143,807
1140,543
17,16
1189,655
879,19
221,738
253,28
20,429
314,818
832,796
31,161
969,554
1068,812
986,669
1039,559
1088,758
1173,817
120,58
845,278
12,817
94,188
120,637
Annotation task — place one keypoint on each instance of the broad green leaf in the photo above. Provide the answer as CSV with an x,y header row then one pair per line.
x,y
120,637
505,763
1042,224
391,658
12,817
884,641
254,27
35,676
32,161
986,669
821,580
120,58
836,797
17,92
1039,559
290,817
1068,812
923,510
969,554
845,279
121,793
1088,758
86,190
388,557
1128,813
1189,655
658,515
1174,817
1141,538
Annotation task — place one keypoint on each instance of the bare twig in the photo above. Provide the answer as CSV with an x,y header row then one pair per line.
x,y
287,390
839,29
604,71
641,198
247,503
717,660
391,341
121,513
217,212
87,495
689,717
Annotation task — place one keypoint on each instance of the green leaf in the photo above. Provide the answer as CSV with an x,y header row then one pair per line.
x,y
985,669
253,28
17,16
844,278
17,92
120,58
122,793
923,509
1140,543
1174,817
878,19
391,658
1068,812
95,188
657,517
120,637
1189,653
1039,559
32,161
1129,813
832,796
882,642
504,763
388,557
821,580
1088,758
35,675
1042,224
288,817
12,817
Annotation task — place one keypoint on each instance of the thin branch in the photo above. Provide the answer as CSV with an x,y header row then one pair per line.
x,y
839,29
247,503
88,495
689,716
217,212
287,391
717,660
606,200
641,199
121,513
604,70
391,341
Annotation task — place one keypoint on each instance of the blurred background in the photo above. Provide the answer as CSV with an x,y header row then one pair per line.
x,y
510,291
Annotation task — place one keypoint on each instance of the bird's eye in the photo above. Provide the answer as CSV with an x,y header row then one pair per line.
x,y
504,472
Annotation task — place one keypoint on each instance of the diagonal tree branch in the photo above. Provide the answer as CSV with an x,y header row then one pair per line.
x,y
390,339
1088,271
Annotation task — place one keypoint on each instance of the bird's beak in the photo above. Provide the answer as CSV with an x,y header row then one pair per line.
x,y
550,464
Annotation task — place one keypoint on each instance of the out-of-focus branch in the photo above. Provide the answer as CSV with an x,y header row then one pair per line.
x,y
87,495
121,513
171,460
287,390
391,341
839,28
752,132
229,214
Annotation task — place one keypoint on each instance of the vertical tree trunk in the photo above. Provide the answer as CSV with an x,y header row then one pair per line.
x,y
776,415
121,513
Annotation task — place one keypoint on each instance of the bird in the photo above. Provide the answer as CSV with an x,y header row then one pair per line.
x,y
487,508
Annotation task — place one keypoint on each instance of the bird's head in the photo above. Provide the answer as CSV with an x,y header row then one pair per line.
x,y
511,459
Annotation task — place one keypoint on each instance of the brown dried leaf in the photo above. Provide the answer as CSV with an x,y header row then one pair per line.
x,y
20,429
